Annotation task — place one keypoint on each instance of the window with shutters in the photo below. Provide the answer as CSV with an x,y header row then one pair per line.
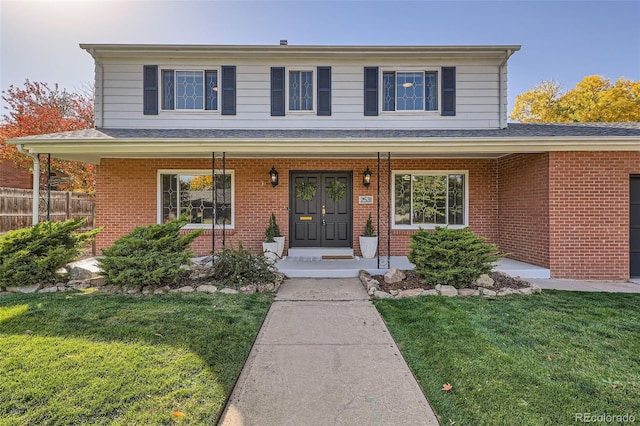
x,y
404,91
300,91
189,90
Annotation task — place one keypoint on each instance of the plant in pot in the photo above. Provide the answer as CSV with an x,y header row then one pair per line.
x,y
369,240
277,236
270,246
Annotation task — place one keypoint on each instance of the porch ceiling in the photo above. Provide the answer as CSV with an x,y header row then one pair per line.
x,y
92,144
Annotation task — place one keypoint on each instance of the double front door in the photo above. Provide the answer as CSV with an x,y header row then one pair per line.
x,y
320,209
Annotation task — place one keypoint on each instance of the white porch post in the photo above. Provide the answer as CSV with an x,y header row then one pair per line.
x,y
35,206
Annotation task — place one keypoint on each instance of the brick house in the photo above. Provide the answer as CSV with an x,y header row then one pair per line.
x,y
428,122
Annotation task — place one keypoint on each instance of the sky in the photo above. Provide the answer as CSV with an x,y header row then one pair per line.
x,y
561,40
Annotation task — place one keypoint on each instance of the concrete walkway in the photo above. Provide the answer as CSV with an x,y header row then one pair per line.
x,y
325,357
576,285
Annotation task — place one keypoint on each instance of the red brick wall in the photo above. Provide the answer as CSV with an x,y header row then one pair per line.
x,y
523,203
126,196
12,177
589,214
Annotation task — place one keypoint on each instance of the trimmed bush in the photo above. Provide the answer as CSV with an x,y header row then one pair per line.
x,y
33,255
239,267
151,255
451,256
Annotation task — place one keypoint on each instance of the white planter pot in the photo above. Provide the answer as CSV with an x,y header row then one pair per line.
x,y
270,250
368,246
280,242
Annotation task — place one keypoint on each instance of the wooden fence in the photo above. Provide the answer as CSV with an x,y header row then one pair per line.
x,y
16,207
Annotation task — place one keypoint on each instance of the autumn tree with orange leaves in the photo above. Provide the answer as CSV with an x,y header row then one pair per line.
x,y
37,109
594,99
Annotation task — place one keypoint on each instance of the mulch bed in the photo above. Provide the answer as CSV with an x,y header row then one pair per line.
x,y
413,280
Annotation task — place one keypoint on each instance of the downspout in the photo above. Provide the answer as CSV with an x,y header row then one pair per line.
x,y
501,112
35,217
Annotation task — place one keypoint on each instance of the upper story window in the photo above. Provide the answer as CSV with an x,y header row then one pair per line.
x,y
410,91
300,90
190,90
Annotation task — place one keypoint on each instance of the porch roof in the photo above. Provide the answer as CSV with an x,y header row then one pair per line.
x,y
92,144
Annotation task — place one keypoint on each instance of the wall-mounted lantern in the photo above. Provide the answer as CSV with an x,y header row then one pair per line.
x,y
366,177
273,176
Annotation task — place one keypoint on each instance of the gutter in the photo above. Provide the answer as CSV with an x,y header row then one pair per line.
x,y
35,214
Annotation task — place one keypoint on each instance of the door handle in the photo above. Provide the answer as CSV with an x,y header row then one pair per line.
x,y
324,212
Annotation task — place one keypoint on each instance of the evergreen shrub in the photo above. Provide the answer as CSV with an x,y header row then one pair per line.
x,y
453,257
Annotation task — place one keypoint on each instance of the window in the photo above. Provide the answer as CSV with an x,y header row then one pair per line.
x,y
410,91
190,90
429,199
191,193
300,91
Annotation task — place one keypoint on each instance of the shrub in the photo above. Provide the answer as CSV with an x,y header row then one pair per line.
x,y
369,230
273,230
149,256
33,255
451,256
239,267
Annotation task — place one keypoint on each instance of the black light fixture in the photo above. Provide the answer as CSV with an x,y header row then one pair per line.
x,y
366,177
273,176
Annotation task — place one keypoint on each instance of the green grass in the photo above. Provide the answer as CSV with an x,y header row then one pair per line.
x,y
534,360
104,359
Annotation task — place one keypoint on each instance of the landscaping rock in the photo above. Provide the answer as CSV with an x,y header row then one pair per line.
x,y
527,291
382,295
394,276
184,289
249,289
97,281
467,292
229,291
162,290
485,281
110,289
488,293
24,289
410,293
429,293
207,288
134,290
371,291
536,290
147,289
505,292
83,269
447,290
52,289
266,288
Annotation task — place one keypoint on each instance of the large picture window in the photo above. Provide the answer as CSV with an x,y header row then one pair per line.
x,y
427,199
191,193
190,90
410,91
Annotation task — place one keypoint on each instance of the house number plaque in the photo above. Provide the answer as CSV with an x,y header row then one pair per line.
x,y
365,199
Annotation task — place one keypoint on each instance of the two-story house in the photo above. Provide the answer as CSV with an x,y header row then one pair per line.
x,y
325,135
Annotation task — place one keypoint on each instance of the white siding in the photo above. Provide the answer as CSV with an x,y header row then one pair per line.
x,y
119,103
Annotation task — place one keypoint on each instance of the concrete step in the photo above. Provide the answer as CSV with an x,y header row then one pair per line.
x,y
318,252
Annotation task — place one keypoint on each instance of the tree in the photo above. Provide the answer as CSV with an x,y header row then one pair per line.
x,y
38,109
594,99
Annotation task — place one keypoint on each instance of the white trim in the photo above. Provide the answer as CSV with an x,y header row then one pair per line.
x,y
413,69
314,77
465,173
194,172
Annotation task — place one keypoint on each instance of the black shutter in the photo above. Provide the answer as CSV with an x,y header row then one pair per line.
x,y
228,90
448,91
324,90
277,91
150,90
370,90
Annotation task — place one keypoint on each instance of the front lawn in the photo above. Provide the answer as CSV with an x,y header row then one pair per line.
x,y
100,359
534,360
